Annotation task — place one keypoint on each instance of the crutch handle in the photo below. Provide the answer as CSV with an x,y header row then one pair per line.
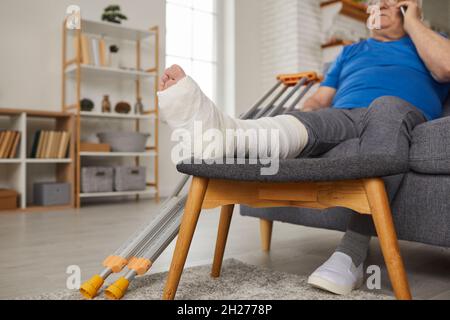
x,y
292,79
115,263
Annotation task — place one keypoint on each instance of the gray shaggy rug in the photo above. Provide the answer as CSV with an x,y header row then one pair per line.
x,y
238,281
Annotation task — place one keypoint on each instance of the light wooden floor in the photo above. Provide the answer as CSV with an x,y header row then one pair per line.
x,y
36,248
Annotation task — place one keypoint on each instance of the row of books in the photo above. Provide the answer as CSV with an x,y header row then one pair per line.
x,y
93,51
50,144
9,141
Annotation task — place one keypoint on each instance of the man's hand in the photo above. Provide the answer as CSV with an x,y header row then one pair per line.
x,y
170,77
433,48
321,99
413,13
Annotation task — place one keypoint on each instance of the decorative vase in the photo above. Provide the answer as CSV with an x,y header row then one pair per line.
x,y
123,108
87,105
139,106
106,104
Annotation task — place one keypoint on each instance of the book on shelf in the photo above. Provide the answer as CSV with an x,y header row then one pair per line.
x,y
41,144
93,50
15,145
63,145
35,146
50,144
9,140
2,142
85,56
102,52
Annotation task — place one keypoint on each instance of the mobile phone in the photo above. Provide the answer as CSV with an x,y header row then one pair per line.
x,y
403,10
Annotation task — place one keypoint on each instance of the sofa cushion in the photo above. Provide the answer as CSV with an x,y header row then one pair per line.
x,y
430,149
302,170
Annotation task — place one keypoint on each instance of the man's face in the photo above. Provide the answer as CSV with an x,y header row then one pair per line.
x,y
391,16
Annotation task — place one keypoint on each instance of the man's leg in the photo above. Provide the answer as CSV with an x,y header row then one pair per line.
x,y
327,128
386,129
184,105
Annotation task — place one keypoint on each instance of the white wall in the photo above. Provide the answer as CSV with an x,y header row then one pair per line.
x,y
278,36
30,60
439,12
272,37
290,38
226,56
247,58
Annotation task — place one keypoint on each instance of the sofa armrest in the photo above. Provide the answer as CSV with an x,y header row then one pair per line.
x,y
430,148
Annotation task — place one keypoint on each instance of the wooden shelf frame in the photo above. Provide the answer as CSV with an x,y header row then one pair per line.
x,y
64,168
350,9
75,69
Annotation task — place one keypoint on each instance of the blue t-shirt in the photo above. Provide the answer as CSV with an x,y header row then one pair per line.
x,y
371,69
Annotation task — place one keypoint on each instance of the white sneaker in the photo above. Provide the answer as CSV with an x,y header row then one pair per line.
x,y
338,275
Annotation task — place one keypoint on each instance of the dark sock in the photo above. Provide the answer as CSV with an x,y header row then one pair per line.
x,y
355,245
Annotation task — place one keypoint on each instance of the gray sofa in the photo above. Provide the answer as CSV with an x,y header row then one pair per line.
x,y
420,199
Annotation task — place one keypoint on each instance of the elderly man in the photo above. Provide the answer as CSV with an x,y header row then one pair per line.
x,y
377,91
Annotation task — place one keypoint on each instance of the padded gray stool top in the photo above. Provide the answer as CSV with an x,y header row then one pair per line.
x,y
303,170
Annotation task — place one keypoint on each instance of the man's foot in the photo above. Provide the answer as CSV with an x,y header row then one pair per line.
x,y
171,76
338,275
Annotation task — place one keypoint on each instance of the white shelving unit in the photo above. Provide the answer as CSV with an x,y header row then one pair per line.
x,y
342,17
113,31
78,73
148,192
45,161
149,154
10,161
90,70
112,115
15,173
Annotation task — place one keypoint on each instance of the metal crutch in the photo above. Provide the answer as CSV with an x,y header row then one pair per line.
x,y
145,258
152,250
154,232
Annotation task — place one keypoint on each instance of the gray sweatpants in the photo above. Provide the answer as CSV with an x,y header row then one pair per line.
x,y
385,128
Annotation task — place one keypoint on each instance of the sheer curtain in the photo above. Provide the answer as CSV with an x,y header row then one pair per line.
x,y
191,36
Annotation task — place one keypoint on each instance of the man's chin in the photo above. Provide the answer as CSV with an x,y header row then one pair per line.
x,y
384,26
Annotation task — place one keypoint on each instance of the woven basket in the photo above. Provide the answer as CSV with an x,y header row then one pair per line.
x,y
97,179
129,179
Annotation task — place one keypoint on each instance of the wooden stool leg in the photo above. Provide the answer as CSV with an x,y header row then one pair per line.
x,y
384,224
224,226
189,223
266,227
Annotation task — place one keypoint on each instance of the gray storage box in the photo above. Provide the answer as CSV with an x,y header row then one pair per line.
x,y
97,179
51,194
129,178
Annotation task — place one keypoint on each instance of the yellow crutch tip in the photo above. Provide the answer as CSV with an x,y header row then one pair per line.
x,y
90,288
117,290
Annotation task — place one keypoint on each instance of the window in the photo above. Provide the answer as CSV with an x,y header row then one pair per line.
x,y
191,40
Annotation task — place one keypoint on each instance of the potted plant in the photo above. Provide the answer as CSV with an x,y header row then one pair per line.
x,y
112,14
